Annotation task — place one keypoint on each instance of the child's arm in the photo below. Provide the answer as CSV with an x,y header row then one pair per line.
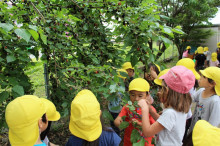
x,y
118,121
148,130
154,113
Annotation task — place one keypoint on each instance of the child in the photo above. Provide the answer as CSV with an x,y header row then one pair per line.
x,y
25,116
154,71
200,59
185,53
204,134
208,56
85,123
214,61
138,89
189,64
52,115
207,98
170,126
130,70
159,82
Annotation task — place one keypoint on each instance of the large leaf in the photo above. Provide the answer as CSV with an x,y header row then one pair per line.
x,y
107,115
18,89
33,27
140,143
34,34
3,96
124,125
135,136
10,58
43,38
23,33
7,27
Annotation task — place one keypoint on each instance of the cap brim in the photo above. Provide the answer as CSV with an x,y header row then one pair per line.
x,y
55,117
86,134
217,86
158,82
27,135
197,76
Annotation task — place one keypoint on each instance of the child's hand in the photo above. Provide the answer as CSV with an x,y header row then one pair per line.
x,y
143,104
136,121
153,73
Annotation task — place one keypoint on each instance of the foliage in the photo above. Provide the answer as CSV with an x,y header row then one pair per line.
x,y
191,15
78,45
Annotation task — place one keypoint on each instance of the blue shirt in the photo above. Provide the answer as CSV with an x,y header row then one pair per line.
x,y
43,144
107,138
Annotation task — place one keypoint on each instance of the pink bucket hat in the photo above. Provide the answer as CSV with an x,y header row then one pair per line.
x,y
179,79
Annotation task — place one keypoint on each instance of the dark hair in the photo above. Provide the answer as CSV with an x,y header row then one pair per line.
x,y
156,69
44,119
46,131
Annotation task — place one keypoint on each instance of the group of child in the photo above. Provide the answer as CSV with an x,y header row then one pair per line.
x,y
29,117
203,57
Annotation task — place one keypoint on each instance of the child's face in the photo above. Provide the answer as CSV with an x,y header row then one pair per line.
x,y
130,72
138,95
203,82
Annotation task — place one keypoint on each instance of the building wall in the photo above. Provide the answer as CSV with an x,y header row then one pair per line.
x,y
212,41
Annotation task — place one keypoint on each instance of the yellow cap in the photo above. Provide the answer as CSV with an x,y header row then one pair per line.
x,y
85,116
127,65
214,74
157,66
218,44
121,70
22,116
214,56
139,84
188,47
206,49
204,134
200,50
189,64
159,81
51,112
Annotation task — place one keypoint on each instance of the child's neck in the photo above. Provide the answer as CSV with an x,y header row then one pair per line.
x,y
208,92
38,141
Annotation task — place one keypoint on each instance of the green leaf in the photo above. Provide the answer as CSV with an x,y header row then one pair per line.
x,y
34,34
10,58
33,27
135,136
23,33
166,41
18,89
179,31
124,125
3,96
134,60
152,58
140,143
7,27
112,88
43,38
107,115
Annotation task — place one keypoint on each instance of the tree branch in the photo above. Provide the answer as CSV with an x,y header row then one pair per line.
x,y
38,12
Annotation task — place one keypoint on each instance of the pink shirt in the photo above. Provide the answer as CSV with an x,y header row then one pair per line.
x,y
211,63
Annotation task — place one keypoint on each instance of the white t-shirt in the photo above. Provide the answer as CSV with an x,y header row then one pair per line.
x,y
174,127
206,109
207,54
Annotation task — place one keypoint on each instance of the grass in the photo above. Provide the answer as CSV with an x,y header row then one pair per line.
x,y
36,74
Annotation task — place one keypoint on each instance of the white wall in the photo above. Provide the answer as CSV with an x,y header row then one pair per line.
x,y
212,41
